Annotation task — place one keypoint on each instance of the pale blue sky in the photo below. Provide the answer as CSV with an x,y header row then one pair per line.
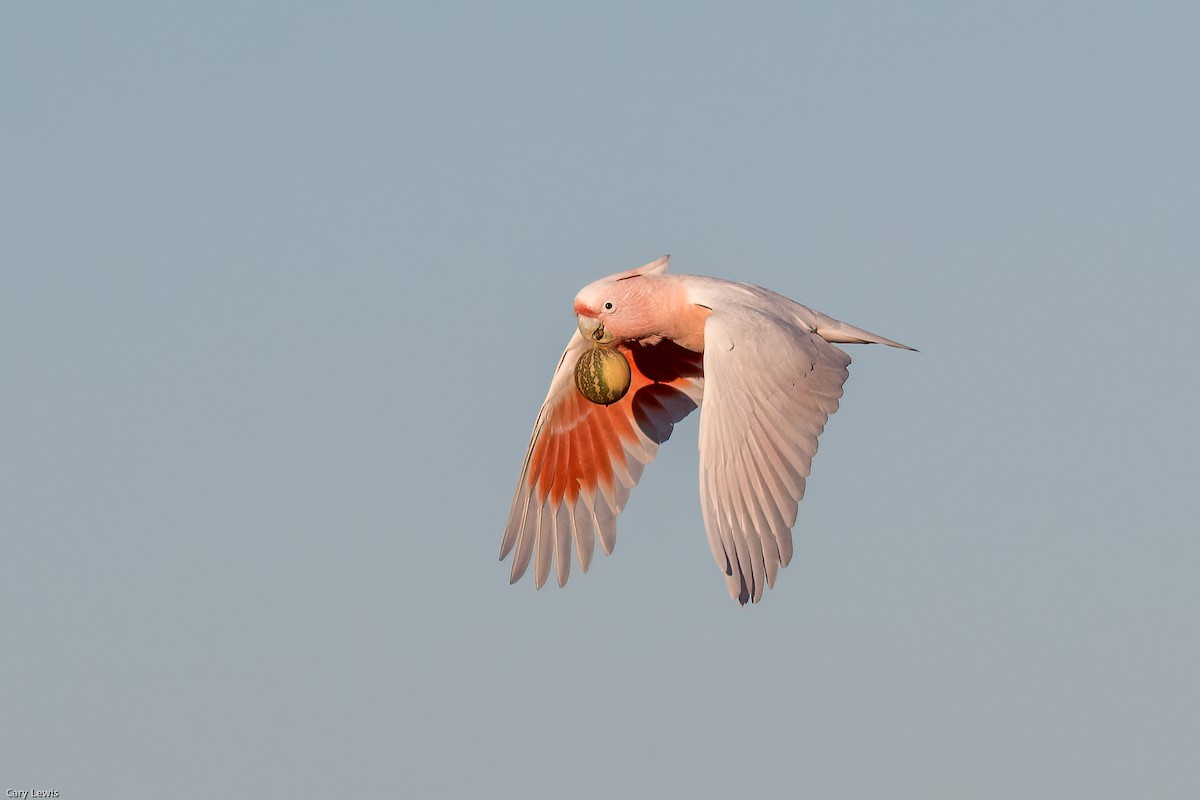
x,y
281,288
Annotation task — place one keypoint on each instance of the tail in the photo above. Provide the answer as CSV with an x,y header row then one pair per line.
x,y
832,330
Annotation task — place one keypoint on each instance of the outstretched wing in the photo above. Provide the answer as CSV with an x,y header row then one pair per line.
x,y
584,458
770,387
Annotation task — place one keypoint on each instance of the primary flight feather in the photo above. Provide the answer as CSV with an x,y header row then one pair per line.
x,y
767,376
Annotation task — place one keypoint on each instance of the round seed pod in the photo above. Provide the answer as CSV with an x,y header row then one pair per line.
x,y
602,375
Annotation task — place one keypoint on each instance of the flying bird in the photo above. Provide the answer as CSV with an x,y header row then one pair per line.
x,y
650,348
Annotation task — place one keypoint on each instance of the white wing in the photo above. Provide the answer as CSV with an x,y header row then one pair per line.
x,y
770,385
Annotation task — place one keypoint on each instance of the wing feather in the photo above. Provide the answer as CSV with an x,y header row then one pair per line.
x,y
771,384
584,459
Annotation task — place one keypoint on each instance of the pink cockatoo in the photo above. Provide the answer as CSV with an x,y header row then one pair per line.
x,y
767,375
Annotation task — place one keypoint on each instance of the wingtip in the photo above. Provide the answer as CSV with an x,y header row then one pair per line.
x,y
515,574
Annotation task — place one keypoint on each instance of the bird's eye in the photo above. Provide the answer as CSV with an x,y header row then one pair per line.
x,y
608,306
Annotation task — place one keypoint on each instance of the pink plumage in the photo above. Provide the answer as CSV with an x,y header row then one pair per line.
x,y
766,376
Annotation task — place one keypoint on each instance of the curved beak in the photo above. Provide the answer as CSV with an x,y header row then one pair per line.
x,y
593,330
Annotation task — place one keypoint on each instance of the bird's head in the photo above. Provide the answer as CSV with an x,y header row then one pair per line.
x,y
619,307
